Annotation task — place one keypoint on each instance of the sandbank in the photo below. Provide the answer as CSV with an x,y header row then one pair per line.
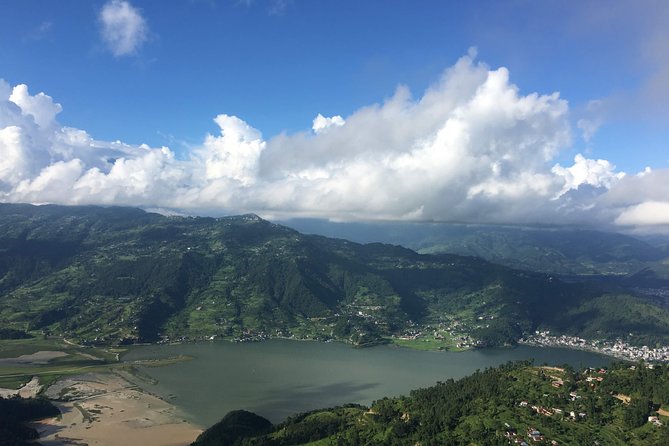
x,y
105,409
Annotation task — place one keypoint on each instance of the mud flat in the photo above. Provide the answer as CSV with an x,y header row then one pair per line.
x,y
107,409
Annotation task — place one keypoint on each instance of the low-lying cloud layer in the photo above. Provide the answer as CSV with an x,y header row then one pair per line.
x,y
471,148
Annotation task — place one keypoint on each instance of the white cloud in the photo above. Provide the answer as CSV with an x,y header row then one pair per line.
x,y
51,182
471,142
36,149
647,213
471,148
597,173
321,123
41,107
234,154
14,162
124,30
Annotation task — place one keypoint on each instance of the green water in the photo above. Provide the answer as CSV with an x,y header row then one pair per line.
x,y
279,378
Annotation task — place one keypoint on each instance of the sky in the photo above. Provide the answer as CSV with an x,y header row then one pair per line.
x,y
489,111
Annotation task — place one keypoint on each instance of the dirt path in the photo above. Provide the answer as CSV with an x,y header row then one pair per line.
x,y
624,398
556,369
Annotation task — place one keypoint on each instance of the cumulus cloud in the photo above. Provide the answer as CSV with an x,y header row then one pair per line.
x,y
322,123
40,107
43,161
470,144
597,173
123,28
14,162
234,154
470,148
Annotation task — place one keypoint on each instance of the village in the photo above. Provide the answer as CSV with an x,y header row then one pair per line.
x,y
618,348
570,407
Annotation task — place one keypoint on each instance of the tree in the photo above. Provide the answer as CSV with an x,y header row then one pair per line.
x,y
636,413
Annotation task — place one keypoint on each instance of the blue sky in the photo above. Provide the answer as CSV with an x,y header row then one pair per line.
x,y
275,65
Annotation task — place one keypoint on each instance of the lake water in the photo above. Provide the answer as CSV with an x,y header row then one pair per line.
x,y
278,378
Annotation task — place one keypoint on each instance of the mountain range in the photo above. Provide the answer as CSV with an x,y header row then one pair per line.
x,y
564,250
122,275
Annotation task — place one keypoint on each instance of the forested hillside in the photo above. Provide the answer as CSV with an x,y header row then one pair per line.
x,y
558,250
110,275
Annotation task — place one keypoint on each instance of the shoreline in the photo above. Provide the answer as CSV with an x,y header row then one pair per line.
x,y
617,349
607,353
389,342
108,409
113,408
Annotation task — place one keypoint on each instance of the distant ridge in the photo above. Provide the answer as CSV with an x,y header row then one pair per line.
x,y
558,250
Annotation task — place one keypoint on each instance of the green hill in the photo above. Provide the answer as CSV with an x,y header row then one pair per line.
x,y
116,275
557,250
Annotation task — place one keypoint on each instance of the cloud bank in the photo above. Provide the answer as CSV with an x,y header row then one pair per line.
x,y
123,28
470,148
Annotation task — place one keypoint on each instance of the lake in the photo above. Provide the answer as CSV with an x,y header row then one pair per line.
x,y
278,378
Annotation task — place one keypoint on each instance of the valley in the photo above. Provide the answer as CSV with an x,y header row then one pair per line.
x,y
81,288
116,276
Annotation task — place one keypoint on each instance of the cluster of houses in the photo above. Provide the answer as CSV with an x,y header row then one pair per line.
x,y
593,377
550,411
619,348
532,435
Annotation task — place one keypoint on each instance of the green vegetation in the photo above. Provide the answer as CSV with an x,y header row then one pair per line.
x,y
113,276
16,412
18,347
13,377
501,406
9,333
233,428
76,359
557,250
428,343
593,319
